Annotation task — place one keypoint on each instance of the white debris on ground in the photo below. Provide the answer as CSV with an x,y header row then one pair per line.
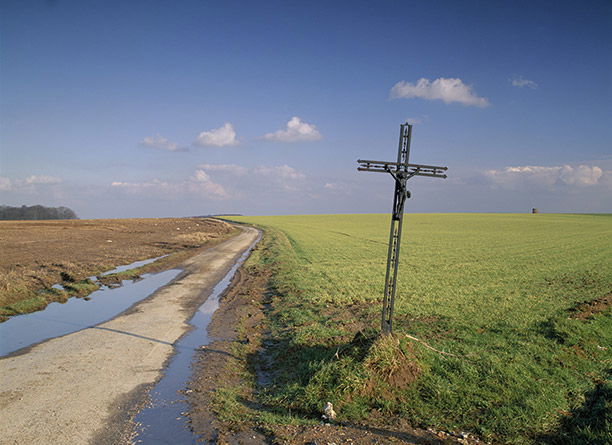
x,y
328,412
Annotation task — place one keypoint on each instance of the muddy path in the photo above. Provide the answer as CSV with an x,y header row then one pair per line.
x,y
84,387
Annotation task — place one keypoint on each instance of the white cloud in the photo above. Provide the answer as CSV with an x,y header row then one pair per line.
x,y
222,182
582,175
226,168
42,179
5,183
295,131
281,171
137,187
337,188
33,185
161,143
201,176
445,89
545,177
219,137
520,81
201,182
282,177
606,179
256,181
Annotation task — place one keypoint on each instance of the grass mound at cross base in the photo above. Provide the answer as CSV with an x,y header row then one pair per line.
x,y
487,337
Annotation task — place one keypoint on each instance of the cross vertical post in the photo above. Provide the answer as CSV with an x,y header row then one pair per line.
x,y
401,171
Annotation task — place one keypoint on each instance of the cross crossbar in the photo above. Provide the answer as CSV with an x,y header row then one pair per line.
x,y
401,171
412,169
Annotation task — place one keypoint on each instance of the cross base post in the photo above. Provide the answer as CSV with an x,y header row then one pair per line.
x,y
395,238
401,171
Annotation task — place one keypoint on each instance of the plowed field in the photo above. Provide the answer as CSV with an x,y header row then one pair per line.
x,y
38,254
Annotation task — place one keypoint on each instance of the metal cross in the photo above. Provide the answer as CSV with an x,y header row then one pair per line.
x,y
401,171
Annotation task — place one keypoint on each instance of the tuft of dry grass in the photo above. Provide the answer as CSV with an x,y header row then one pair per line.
x,y
392,363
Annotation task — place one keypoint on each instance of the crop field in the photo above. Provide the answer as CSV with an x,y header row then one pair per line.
x,y
503,325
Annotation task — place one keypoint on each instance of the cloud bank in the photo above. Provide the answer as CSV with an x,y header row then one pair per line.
x,y
5,183
202,182
42,179
257,181
220,182
199,184
161,143
281,171
31,183
546,177
224,136
296,130
446,89
230,168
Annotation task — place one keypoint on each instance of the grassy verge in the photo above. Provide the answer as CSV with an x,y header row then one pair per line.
x,y
495,296
238,400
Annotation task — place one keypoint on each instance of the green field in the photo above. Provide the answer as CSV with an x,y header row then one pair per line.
x,y
501,294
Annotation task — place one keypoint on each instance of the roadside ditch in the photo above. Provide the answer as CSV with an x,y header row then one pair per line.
x,y
163,419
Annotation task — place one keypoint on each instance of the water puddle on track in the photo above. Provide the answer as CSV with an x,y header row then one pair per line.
x,y
164,420
59,319
133,265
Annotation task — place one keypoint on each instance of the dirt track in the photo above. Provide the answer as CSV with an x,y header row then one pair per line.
x,y
80,388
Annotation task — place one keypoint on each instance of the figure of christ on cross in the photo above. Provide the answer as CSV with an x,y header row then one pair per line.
x,y
401,171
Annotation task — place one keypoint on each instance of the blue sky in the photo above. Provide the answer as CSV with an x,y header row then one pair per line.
x,y
120,109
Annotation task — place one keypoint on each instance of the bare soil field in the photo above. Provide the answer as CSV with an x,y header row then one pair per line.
x,y
38,254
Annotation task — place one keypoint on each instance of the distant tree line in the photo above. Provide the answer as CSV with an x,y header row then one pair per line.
x,y
35,212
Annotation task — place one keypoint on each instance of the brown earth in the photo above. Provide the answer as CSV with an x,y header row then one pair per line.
x,y
586,310
38,254
236,361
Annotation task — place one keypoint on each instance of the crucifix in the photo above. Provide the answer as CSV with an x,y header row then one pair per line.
x,y
401,171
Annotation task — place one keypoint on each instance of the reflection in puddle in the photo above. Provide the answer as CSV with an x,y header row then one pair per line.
x,y
164,420
59,319
133,265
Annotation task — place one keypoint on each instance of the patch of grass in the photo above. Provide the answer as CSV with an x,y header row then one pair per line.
x,y
80,288
494,290
24,306
589,424
227,405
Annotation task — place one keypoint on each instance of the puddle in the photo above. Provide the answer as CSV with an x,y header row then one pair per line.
x,y
133,265
59,319
165,420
